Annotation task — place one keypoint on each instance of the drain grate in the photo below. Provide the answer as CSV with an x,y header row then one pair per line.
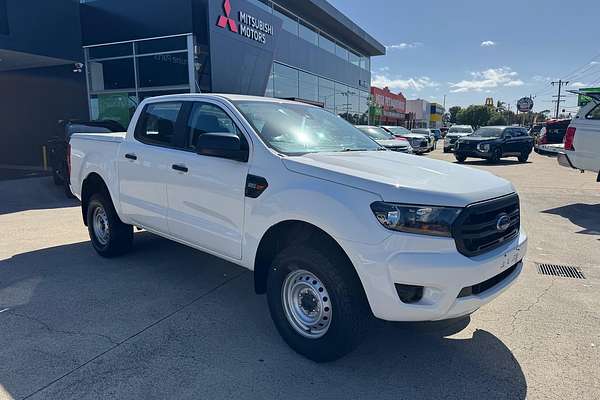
x,y
563,271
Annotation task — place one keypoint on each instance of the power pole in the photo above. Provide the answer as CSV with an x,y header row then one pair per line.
x,y
560,84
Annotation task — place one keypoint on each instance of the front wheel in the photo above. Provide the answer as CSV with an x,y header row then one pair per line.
x,y
524,157
110,237
496,156
461,158
317,302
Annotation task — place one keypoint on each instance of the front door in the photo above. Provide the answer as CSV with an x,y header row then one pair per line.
x,y
206,194
143,166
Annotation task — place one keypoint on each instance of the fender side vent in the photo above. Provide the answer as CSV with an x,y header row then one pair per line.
x,y
562,271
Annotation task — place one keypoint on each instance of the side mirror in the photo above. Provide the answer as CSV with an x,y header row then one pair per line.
x,y
221,145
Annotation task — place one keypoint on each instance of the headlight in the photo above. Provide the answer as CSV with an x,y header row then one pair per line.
x,y
483,147
424,220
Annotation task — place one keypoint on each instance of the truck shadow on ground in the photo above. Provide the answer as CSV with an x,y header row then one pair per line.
x,y
32,194
586,216
503,162
188,325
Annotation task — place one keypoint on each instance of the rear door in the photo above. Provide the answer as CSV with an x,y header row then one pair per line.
x,y
587,139
144,165
206,194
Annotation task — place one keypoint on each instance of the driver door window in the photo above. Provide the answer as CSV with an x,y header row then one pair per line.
x,y
208,118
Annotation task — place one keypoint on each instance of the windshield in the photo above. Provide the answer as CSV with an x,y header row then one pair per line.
x,y
398,130
375,132
299,129
460,129
488,132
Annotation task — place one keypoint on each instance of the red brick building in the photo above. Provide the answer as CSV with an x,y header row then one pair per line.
x,y
393,106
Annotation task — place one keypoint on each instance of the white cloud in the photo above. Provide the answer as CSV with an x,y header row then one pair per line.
x,y
384,69
403,46
488,43
540,78
417,83
488,79
578,84
595,63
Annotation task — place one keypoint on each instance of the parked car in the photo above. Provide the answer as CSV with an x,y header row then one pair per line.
x,y
582,139
536,129
428,134
495,142
418,142
551,136
386,139
454,133
57,146
335,231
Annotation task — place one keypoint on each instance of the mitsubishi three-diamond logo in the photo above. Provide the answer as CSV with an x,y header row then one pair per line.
x,y
225,20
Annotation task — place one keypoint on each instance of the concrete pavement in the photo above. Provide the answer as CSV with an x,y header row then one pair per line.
x,y
166,321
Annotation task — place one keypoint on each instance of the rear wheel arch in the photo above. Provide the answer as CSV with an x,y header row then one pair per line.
x,y
91,185
284,234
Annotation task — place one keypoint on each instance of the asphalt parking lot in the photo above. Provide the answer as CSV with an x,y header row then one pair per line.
x,y
167,321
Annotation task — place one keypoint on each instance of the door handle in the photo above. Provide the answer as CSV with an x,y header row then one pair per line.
x,y
179,167
131,156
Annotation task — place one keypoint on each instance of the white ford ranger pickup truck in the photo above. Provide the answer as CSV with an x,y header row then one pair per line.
x,y
336,228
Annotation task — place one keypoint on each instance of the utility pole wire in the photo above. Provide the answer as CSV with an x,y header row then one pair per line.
x,y
560,84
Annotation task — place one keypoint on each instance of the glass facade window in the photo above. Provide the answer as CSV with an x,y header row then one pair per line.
x,y
114,50
354,58
308,33
160,66
265,5
308,87
290,22
285,82
326,44
327,93
163,70
111,74
161,45
341,52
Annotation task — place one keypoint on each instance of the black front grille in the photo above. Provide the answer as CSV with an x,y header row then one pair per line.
x,y
467,146
418,143
476,229
487,285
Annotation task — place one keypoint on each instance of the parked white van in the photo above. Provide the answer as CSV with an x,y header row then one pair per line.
x,y
582,141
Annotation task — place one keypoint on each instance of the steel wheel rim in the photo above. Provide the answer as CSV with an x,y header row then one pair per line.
x,y
307,304
100,225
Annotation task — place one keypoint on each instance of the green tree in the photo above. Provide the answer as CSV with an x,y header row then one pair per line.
x,y
454,113
474,115
497,119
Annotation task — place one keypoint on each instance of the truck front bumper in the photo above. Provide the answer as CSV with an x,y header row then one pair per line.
x,y
453,285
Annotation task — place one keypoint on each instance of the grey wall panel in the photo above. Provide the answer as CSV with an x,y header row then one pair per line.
x,y
43,27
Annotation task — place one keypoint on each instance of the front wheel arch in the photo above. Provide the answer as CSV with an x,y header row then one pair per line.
x,y
284,234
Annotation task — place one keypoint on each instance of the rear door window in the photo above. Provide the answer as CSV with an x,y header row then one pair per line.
x,y
594,114
157,124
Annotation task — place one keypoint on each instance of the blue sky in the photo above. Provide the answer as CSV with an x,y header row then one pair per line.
x,y
470,50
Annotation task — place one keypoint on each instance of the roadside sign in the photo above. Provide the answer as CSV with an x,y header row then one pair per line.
x,y
583,100
525,104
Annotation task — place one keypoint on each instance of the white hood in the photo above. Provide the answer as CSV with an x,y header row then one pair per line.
x,y
393,143
403,178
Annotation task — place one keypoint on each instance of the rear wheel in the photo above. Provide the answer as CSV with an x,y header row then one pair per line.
x,y
317,302
110,237
460,157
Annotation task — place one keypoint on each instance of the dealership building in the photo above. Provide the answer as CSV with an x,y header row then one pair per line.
x,y
100,58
